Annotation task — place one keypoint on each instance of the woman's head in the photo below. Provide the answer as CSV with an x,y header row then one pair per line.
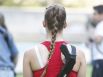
x,y
55,18
55,21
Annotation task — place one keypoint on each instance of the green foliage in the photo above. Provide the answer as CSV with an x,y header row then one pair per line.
x,y
89,71
6,2
40,3
22,3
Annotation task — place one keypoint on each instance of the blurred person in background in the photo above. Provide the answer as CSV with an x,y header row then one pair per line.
x,y
97,42
46,59
8,51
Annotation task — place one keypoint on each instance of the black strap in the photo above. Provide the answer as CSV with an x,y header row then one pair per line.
x,y
73,51
70,60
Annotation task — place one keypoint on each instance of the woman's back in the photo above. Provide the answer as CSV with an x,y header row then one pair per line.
x,y
56,62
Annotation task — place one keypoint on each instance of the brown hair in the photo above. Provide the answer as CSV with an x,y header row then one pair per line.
x,y
55,17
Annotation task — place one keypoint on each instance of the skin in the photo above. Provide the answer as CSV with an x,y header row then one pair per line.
x,y
30,61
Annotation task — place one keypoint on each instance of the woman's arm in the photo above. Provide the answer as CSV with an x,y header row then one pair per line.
x,y
27,72
82,69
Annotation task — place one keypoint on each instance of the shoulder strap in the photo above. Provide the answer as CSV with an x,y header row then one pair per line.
x,y
70,56
73,51
45,69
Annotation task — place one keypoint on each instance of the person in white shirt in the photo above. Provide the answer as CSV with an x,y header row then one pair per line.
x,y
97,45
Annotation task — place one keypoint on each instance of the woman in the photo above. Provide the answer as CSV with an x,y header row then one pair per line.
x,y
36,62
8,51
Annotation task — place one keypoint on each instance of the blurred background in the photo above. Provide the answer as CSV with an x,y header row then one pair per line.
x,y
24,20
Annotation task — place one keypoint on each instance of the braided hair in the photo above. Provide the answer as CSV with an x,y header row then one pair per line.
x,y
55,16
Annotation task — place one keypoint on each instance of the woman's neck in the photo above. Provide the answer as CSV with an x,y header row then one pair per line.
x,y
58,37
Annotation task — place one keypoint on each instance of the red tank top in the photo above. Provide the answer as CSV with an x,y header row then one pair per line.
x,y
55,64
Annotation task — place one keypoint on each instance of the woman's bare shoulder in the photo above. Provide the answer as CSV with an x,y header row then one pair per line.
x,y
80,55
32,52
29,53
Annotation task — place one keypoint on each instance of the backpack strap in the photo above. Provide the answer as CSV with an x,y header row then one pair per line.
x,y
70,56
73,51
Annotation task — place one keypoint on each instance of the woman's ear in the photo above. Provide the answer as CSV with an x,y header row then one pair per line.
x,y
44,23
65,24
